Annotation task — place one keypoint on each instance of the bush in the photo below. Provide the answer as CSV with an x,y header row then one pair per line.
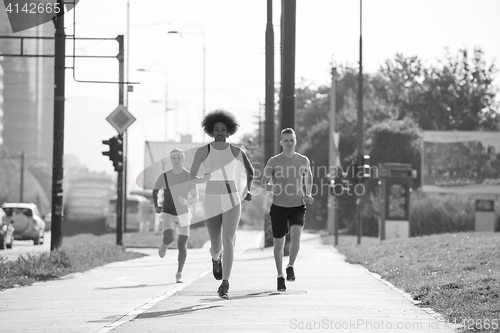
x,y
432,213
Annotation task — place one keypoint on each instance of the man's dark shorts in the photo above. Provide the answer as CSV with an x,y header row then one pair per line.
x,y
282,217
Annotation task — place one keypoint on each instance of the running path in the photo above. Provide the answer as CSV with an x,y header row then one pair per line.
x,y
101,299
329,295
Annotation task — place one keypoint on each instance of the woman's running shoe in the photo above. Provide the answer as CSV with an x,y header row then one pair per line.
x,y
281,284
217,268
223,289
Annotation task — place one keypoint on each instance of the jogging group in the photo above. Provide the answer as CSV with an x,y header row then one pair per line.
x,y
287,177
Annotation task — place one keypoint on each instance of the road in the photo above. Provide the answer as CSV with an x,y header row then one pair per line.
x,y
24,247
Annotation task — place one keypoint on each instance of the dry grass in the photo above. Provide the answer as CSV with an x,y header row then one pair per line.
x,y
457,275
80,253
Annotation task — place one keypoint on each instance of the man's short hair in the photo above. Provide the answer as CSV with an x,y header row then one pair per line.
x,y
176,151
287,130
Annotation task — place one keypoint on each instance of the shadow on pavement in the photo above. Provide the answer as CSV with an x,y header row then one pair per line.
x,y
177,312
234,297
136,286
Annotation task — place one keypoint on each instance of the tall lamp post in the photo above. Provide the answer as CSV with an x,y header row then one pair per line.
x,y
180,32
166,92
360,146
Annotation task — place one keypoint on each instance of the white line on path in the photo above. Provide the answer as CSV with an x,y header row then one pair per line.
x,y
143,308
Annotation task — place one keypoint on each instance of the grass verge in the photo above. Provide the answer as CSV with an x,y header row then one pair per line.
x,y
457,275
80,253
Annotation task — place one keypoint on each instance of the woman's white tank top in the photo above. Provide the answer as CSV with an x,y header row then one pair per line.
x,y
217,160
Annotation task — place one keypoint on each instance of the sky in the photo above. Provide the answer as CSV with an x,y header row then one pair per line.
x,y
232,33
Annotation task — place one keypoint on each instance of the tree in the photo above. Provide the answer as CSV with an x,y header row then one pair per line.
x,y
10,180
458,94
43,174
398,83
9,177
402,98
395,141
462,94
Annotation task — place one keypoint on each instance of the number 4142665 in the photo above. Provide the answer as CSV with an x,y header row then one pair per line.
x,y
478,324
33,8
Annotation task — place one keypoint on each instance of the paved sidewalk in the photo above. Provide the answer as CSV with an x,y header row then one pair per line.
x,y
140,295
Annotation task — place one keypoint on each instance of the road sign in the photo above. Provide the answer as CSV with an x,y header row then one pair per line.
x,y
120,119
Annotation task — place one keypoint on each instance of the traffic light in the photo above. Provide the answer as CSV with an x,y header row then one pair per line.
x,y
365,163
360,169
115,152
118,158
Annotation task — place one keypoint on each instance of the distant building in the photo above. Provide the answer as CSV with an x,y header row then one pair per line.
x,y
186,138
26,111
1,102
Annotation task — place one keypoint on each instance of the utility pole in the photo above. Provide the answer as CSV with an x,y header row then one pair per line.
x,y
288,72
288,64
21,185
269,114
359,200
58,144
269,130
332,220
125,134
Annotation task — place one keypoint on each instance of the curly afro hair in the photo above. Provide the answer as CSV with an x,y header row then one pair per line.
x,y
219,116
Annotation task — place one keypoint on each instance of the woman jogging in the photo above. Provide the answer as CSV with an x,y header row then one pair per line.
x,y
222,203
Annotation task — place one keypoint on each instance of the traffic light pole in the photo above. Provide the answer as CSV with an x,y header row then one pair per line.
x,y
119,185
119,208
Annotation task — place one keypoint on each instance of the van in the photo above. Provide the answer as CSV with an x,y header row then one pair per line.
x,y
140,214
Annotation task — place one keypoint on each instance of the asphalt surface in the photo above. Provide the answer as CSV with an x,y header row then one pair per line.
x,y
141,295
25,247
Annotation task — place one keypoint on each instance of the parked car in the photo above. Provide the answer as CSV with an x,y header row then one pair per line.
x,y
6,231
28,223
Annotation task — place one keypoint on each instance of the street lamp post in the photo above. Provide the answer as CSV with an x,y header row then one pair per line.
x,y
180,32
166,93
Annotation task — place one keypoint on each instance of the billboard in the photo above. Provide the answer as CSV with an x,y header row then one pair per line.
x,y
461,161
157,160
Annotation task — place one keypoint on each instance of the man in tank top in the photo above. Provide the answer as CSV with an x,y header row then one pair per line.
x,y
288,177
178,193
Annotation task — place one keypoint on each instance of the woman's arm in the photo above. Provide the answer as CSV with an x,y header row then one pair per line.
x,y
200,155
242,156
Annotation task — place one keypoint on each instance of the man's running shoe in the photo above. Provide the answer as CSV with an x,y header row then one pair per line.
x,y
223,289
281,284
290,274
178,277
217,268
162,250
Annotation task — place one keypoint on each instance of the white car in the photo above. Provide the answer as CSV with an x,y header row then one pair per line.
x,y
28,223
